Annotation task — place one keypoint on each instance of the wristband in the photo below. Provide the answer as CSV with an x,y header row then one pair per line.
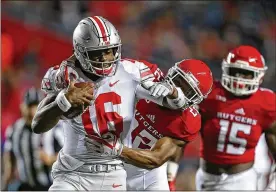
x,y
179,102
62,102
172,169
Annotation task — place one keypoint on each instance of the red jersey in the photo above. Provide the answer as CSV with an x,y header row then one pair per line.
x,y
153,122
232,126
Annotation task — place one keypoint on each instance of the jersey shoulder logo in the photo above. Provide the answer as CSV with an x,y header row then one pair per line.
x,y
240,111
221,98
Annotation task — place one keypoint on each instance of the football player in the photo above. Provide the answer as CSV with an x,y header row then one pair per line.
x,y
97,91
157,134
234,116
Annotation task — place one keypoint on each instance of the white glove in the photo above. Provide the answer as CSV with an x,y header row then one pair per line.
x,y
161,89
107,145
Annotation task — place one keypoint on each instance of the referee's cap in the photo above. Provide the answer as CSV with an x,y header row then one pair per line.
x,y
32,96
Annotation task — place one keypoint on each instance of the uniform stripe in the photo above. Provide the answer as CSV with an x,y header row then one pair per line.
x,y
101,29
146,73
105,28
25,146
87,124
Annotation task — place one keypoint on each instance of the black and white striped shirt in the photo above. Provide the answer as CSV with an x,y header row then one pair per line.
x,y
53,140
26,147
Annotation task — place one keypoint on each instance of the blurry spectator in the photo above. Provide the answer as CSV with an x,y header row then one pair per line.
x,y
111,10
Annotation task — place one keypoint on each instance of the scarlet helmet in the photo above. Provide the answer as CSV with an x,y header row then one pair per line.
x,y
94,34
243,60
197,76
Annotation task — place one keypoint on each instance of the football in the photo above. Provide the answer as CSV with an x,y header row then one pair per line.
x,y
75,111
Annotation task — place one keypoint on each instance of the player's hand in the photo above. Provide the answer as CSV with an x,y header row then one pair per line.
x,y
79,95
161,89
64,75
107,145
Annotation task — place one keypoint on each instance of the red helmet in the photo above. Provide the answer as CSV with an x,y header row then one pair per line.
x,y
197,76
241,61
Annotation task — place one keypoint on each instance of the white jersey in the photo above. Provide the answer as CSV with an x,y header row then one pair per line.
x,y
112,110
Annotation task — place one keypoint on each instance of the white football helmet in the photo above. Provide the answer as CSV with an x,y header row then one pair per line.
x,y
94,34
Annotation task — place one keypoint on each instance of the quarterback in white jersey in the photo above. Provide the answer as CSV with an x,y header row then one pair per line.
x,y
96,92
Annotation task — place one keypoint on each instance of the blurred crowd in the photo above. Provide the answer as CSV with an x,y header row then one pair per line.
x,y
162,32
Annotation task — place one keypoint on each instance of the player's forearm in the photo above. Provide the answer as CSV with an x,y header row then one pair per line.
x,y
177,155
144,158
47,116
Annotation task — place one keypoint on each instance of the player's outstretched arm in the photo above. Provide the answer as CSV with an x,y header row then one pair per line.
x,y
164,149
51,108
162,94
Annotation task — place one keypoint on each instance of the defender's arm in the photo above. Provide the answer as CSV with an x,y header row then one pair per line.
x,y
164,149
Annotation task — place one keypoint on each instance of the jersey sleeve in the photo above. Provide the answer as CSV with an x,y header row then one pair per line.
x,y
269,108
57,77
185,127
148,70
142,70
47,83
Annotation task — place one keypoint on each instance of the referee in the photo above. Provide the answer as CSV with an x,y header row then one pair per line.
x,y
22,149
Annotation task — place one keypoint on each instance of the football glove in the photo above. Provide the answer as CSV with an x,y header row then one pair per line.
x,y
161,89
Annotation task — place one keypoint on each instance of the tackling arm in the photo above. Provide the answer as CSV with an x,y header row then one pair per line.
x,y
164,149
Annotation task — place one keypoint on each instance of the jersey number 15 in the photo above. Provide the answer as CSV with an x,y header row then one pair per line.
x,y
232,138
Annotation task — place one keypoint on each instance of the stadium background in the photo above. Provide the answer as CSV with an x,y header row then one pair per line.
x,y
38,34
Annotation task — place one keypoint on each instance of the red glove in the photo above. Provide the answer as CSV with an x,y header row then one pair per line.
x,y
172,185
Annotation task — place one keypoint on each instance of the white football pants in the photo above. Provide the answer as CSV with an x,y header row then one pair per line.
x,y
246,180
155,179
71,174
